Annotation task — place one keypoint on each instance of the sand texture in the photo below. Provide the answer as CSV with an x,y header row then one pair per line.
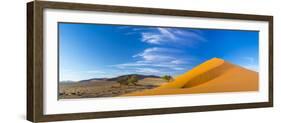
x,y
105,88
215,75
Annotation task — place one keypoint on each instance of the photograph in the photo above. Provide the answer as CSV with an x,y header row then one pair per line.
x,y
110,60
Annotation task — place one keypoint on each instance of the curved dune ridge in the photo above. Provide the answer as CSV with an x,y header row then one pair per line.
x,y
215,75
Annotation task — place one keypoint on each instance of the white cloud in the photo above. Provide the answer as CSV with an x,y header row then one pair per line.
x,y
95,72
178,68
167,32
196,35
178,62
156,54
164,60
171,35
154,64
151,38
165,35
147,70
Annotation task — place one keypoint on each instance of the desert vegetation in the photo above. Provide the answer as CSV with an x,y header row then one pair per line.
x,y
128,80
168,78
108,87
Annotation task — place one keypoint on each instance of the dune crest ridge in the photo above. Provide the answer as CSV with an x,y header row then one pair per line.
x,y
214,75
195,74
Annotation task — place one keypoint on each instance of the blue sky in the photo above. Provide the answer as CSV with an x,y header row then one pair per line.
x,y
97,51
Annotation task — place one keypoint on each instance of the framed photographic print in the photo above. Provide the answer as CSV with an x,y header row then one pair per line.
x,y
96,61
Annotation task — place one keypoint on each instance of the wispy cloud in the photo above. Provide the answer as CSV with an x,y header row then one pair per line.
x,y
157,60
165,35
156,54
171,35
95,72
147,71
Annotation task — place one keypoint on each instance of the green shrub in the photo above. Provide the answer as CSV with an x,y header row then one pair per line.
x,y
168,78
128,80
132,80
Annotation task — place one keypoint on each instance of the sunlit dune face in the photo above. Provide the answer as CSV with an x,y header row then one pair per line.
x,y
215,75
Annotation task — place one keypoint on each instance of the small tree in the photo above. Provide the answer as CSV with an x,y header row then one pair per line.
x,y
128,80
132,80
168,78
122,80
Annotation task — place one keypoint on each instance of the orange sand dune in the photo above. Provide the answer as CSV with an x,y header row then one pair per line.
x,y
215,75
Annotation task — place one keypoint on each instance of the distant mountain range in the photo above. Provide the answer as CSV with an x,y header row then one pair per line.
x,y
139,76
67,81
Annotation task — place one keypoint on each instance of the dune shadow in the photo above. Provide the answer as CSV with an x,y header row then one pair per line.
x,y
207,76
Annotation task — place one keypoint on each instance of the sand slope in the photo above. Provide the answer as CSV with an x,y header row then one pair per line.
x,y
215,75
